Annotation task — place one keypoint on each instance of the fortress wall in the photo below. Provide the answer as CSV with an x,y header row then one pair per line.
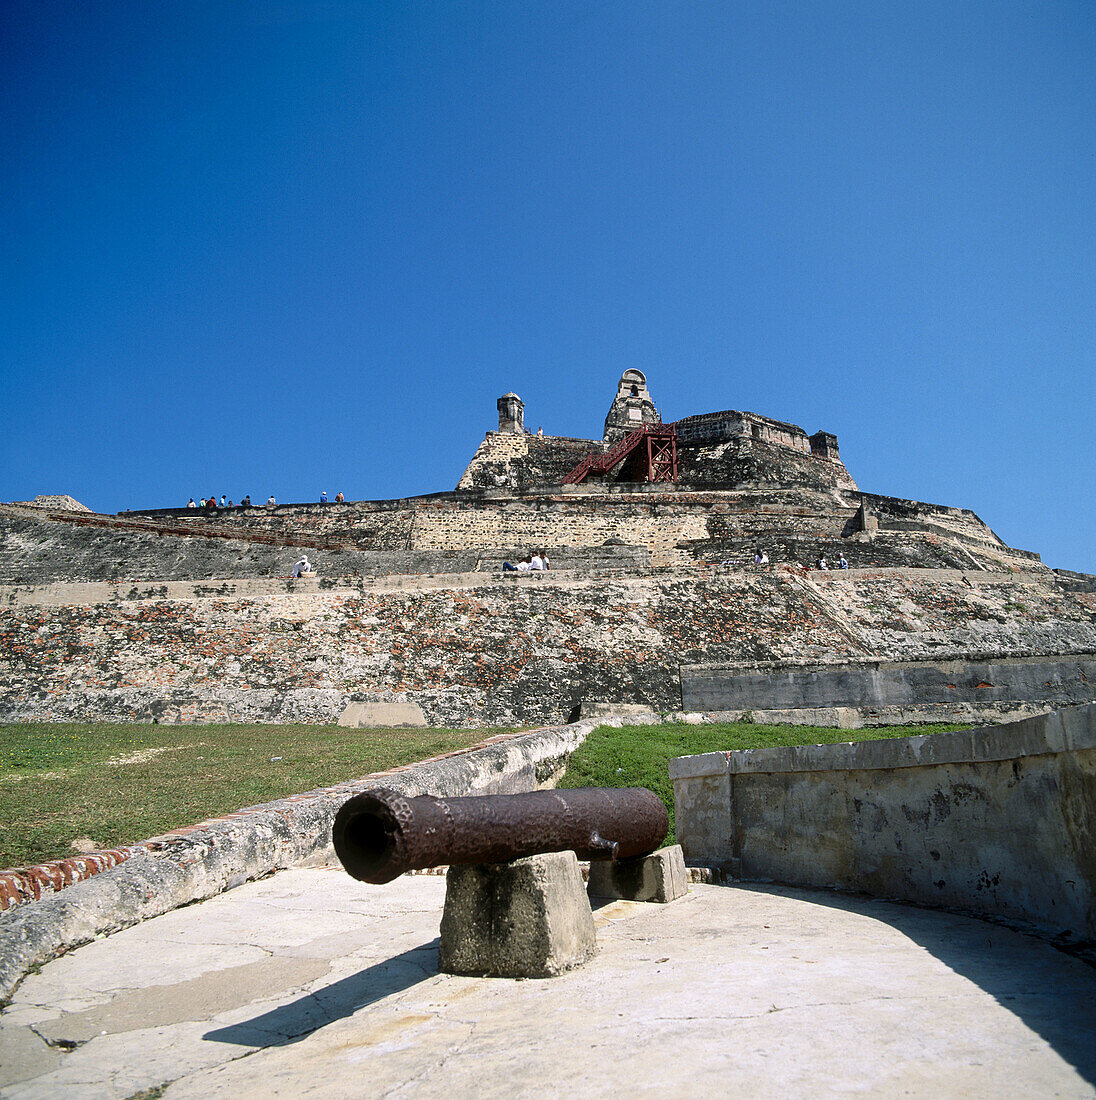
x,y
882,686
719,427
369,525
485,649
451,532
717,454
34,551
588,523
748,462
1000,821
960,524
519,462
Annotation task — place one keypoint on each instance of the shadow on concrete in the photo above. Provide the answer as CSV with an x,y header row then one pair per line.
x,y
1053,993
297,1020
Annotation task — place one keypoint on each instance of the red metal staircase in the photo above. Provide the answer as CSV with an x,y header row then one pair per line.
x,y
660,458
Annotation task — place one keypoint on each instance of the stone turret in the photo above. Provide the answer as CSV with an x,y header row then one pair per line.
x,y
631,407
511,414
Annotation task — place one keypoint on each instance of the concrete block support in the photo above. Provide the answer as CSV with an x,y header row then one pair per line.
x,y
658,877
526,919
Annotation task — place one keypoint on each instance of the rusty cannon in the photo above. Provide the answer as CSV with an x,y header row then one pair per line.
x,y
380,834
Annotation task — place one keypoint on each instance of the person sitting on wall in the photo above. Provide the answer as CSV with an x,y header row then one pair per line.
x,y
841,563
323,496
246,502
764,558
507,567
525,564
823,564
222,500
536,562
544,558
270,499
339,498
190,503
302,566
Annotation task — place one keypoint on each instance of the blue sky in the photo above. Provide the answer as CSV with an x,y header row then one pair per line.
x,y
293,245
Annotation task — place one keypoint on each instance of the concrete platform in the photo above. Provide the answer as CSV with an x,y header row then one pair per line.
x,y
309,983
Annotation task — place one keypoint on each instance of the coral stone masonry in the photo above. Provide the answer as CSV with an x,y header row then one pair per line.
x,y
653,598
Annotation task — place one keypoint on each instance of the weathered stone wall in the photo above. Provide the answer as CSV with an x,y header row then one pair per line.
x,y
711,455
745,461
452,531
488,649
558,522
34,551
1000,821
39,552
719,427
365,525
524,462
882,684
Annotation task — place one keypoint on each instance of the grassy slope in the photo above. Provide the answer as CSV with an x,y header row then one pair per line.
x,y
639,756
57,781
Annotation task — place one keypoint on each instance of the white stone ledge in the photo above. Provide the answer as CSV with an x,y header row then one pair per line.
x,y
1070,729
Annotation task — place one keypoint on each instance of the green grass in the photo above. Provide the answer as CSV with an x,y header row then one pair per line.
x,y
58,782
639,756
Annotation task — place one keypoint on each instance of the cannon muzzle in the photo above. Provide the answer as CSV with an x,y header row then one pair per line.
x,y
380,834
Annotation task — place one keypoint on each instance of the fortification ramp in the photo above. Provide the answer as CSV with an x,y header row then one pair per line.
x,y
881,685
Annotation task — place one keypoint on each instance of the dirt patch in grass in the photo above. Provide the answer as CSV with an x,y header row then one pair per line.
x,y
639,756
120,783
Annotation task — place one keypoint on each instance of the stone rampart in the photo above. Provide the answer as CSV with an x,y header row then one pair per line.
x,y
454,531
716,452
518,462
492,649
882,685
1000,821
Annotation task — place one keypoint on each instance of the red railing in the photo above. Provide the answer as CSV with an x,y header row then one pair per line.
x,y
661,463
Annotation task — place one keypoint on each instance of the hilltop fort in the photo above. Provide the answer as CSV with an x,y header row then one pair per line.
x,y
653,598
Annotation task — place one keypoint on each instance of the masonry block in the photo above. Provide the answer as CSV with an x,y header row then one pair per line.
x,y
383,716
658,877
526,919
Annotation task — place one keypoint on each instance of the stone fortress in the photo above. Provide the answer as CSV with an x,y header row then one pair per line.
x,y
653,599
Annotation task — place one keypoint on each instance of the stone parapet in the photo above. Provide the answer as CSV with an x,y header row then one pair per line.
x,y
1000,821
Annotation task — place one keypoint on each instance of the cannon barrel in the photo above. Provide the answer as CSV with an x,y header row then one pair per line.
x,y
380,834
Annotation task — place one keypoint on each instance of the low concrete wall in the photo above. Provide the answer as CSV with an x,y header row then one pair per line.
x,y
1053,681
197,862
1000,821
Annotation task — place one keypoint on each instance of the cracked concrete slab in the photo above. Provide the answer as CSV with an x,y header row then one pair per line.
x,y
763,991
